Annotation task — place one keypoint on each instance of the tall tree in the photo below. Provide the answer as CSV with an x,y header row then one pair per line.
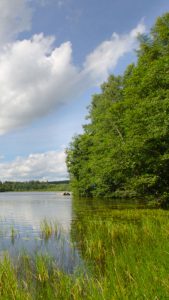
x,y
124,150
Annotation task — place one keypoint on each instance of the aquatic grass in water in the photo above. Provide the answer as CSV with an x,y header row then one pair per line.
x,y
129,258
39,279
126,255
49,229
46,229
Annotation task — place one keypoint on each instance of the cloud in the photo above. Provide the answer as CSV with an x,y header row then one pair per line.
x,y
60,3
38,166
15,17
105,57
36,77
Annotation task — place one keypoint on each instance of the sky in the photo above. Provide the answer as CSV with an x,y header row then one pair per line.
x,y
54,54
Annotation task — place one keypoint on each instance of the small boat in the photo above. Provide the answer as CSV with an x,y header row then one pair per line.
x,y
66,194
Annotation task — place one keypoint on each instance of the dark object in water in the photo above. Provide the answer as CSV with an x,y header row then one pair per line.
x,y
66,194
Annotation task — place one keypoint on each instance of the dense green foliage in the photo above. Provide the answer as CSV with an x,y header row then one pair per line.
x,y
26,186
124,150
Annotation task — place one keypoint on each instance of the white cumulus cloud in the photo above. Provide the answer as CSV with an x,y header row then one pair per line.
x,y
36,77
105,57
39,166
15,17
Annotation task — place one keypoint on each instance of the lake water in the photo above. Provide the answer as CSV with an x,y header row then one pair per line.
x,y
26,211
21,216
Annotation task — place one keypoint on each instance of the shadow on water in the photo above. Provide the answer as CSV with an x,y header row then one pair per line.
x,y
86,211
103,207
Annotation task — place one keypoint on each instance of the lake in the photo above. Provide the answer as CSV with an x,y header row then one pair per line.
x,y
21,216
61,246
26,211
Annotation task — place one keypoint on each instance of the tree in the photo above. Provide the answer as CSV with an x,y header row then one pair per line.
x,y
124,150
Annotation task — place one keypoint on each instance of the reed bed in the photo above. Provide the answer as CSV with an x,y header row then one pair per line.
x,y
127,252
126,255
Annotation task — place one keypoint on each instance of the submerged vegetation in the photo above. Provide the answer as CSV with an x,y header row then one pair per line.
x,y
124,150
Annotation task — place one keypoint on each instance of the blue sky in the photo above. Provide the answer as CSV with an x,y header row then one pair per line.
x,y
54,54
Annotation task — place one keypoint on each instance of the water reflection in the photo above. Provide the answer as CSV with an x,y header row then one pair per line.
x,y
25,211
21,215
102,207
85,210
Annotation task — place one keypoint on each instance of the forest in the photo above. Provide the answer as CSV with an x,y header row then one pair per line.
x,y
34,185
124,148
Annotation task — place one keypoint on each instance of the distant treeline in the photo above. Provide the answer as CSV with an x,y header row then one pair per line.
x,y
124,150
15,186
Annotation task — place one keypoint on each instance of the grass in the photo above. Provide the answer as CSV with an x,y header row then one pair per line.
x,y
46,229
49,229
127,252
38,278
126,255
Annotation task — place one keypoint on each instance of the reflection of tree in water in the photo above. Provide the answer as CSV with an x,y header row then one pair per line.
x,y
101,227
88,215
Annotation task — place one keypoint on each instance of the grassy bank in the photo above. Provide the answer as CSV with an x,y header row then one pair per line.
x,y
126,255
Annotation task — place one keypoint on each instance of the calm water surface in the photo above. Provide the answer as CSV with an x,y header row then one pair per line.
x,y
26,211
23,213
